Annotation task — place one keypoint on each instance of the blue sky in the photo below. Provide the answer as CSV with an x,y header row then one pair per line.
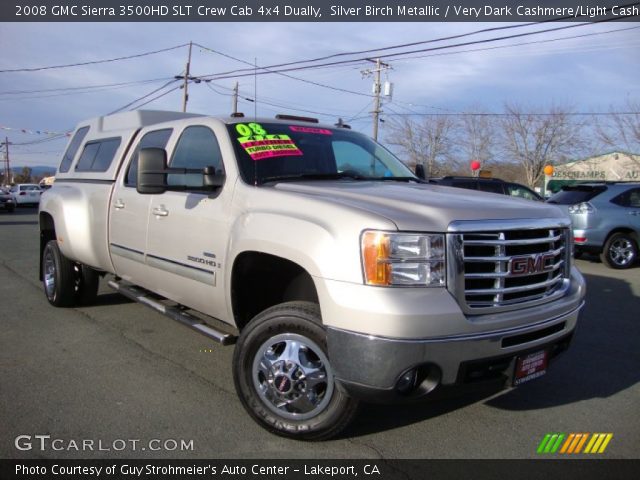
x,y
589,74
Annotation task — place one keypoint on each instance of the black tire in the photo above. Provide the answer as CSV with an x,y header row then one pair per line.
x,y
620,251
58,276
66,283
11,209
287,344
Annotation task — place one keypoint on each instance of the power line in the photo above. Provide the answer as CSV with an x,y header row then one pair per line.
x,y
159,96
173,80
84,87
44,140
394,47
273,104
93,62
280,103
266,69
64,94
244,72
535,42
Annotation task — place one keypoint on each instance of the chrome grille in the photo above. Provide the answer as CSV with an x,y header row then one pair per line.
x,y
509,268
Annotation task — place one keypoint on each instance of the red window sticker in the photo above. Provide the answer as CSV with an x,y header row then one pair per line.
x,y
260,149
320,131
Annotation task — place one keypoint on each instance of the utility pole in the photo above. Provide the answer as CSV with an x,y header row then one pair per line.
x,y
235,99
187,78
185,97
7,168
377,90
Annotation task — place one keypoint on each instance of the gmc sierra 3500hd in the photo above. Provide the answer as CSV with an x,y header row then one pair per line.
x,y
340,274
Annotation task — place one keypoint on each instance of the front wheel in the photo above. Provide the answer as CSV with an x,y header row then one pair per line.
x,y
620,251
284,378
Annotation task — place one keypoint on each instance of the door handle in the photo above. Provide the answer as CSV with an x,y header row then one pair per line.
x,y
160,211
119,205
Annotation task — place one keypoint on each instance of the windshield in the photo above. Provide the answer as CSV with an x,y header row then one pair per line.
x,y
571,195
277,152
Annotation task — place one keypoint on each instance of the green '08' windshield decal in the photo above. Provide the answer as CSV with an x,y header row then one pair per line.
x,y
255,140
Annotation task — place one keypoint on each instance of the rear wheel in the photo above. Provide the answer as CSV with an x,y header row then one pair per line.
x,y
620,251
284,378
67,283
58,276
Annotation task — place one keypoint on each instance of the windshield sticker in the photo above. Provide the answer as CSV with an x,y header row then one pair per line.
x,y
321,131
260,145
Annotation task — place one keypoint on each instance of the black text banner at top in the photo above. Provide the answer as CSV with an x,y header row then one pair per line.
x,y
318,11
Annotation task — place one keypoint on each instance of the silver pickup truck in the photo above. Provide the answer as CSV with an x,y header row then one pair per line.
x,y
338,273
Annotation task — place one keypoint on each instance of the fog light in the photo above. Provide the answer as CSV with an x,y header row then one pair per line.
x,y
407,381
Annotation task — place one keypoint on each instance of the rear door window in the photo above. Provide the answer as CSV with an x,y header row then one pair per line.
x,y
492,187
97,156
516,190
575,194
630,198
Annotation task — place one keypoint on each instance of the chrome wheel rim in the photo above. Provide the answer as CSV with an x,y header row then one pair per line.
x,y
292,376
622,252
49,274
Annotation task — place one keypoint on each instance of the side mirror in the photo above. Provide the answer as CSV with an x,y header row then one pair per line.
x,y
152,171
211,178
420,171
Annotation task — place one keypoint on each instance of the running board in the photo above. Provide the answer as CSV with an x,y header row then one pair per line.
x,y
140,296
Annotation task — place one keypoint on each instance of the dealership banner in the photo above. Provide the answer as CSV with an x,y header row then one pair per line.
x,y
318,11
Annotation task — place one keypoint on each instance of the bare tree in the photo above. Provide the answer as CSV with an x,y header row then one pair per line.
x,y
537,139
620,130
476,138
428,142
24,176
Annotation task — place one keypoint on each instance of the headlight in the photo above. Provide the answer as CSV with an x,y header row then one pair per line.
x,y
403,259
583,207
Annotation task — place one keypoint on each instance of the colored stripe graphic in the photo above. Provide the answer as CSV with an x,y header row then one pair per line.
x,y
573,443
581,443
598,443
550,443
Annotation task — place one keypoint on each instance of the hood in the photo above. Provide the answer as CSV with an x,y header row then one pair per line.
x,y
421,207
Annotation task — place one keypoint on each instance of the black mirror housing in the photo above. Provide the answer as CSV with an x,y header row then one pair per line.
x,y
152,171
420,171
212,178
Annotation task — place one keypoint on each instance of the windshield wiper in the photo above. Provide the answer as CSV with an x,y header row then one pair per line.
x,y
397,179
315,176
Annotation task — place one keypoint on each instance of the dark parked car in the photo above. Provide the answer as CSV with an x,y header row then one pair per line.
x,y
6,201
606,220
492,185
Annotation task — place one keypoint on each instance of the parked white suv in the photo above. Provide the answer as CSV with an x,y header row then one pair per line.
x,y
26,193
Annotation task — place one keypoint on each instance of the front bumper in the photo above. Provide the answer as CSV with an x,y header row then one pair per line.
x,y
374,371
444,345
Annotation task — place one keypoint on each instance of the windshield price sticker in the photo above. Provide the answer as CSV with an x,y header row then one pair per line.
x,y
260,145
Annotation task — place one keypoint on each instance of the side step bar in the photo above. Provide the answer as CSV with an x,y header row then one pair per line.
x,y
138,295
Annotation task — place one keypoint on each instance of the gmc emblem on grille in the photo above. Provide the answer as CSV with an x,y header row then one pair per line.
x,y
531,264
